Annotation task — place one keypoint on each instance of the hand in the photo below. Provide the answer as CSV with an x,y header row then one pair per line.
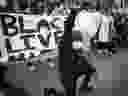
x,y
76,44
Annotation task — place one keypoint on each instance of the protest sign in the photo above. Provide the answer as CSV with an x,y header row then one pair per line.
x,y
19,33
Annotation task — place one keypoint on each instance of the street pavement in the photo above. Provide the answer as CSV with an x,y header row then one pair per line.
x,y
113,80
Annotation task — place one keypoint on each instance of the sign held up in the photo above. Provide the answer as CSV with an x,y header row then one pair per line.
x,y
19,32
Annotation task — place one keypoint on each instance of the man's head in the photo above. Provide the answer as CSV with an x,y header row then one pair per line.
x,y
89,5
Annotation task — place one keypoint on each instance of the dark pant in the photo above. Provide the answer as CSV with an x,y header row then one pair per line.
x,y
80,67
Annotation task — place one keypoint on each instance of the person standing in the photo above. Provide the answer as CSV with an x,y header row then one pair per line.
x,y
87,23
107,31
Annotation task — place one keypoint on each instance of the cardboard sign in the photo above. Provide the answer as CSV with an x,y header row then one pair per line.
x,y
19,33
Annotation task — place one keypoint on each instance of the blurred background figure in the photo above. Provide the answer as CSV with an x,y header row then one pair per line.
x,y
3,3
23,4
4,6
13,5
38,6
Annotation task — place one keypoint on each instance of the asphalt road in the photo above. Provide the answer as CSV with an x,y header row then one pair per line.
x,y
113,69
114,79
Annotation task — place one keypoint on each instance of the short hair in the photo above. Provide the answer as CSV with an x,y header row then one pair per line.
x,y
88,5
43,23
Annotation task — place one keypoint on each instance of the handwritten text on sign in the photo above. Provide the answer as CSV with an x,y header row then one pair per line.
x,y
20,32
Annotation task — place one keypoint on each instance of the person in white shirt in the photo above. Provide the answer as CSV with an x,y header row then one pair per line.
x,y
90,22
86,25
87,22
106,28
106,32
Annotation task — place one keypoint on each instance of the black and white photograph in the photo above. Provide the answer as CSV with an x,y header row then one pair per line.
x,y
35,47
